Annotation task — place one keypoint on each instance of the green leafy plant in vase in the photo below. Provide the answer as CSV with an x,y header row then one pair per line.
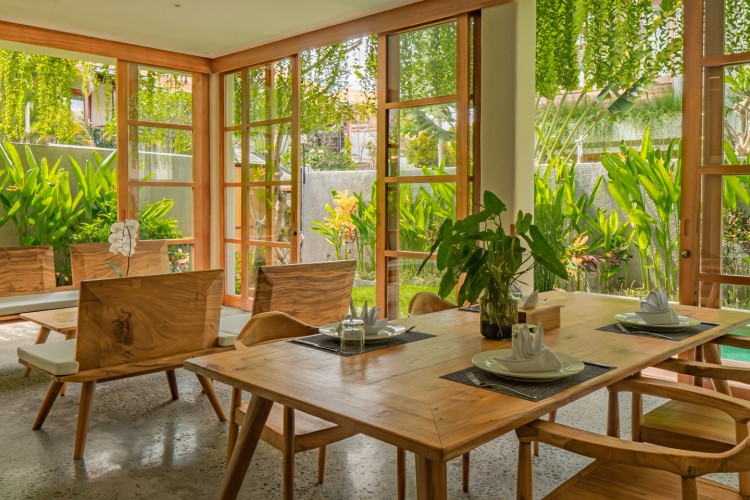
x,y
491,261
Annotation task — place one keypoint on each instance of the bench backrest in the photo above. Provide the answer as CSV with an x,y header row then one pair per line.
x,y
26,270
316,293
91,260
131,320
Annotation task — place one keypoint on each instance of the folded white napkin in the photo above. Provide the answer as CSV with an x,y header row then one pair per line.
x,y
530,354
655,309
369,316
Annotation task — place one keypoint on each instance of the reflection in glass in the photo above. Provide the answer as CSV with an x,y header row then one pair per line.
x,y
269,150
233,213
422,140
233,156
180,258
179,218
232,267
404,282
426,63
270,91
418,210
162,154
163,97
232,100
269,210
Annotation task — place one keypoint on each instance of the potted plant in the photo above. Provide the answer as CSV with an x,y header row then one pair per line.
x,y
491,261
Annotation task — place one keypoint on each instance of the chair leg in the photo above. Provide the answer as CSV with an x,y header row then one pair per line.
x,y
689,488
552,416
465,463
208,388
234,427
87,397
613,414
49,400
287,454
321,464
400,473
172,381
524,489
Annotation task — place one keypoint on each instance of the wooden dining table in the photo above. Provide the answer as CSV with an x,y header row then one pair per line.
x,y
397,395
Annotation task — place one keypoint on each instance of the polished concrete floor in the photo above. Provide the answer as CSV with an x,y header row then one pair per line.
x,y
141,444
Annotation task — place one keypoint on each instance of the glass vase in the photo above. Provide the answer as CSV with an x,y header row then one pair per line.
x,y
498,312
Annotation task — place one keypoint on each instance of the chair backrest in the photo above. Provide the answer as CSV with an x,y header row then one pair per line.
x,y
26,270
428,302
91,260
271,326
128,320
316,293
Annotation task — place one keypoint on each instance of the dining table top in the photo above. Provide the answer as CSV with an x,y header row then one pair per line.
x,y
397,395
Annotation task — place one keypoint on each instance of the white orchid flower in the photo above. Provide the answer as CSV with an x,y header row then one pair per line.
x,y
123,240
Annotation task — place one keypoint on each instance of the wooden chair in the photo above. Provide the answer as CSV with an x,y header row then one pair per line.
x,y
316,293
686,425
428,302
307,432
27,282
91,260
629,469
129,327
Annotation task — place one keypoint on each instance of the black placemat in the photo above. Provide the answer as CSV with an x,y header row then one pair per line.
x,y
676,336
539,390
326,343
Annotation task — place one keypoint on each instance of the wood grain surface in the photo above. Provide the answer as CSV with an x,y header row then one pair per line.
x,y
316,293
26,270
396,394
91,260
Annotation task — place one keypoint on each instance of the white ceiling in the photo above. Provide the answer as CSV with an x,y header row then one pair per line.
x,y
208,28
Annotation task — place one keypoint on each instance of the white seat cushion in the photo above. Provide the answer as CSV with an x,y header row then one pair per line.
x,y
233,324
226,339
18,304
57,358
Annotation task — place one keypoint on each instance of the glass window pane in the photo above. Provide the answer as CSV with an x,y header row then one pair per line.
x,y
727,115
418,210
270,91
232,99
162,154
404,282
163,97
269,213
734,16
181,258
233,212
263,256
269,150
422,140
232,267
425,65
233,156
164,212
725,225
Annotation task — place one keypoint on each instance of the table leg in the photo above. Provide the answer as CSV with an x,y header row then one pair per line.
x,y
432,481
41,338
711,355
252,427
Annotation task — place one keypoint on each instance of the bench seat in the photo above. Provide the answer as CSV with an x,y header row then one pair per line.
x,y
230,327
18,304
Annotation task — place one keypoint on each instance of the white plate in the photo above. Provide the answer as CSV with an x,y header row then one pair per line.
x,y
485,361
388,331
632,319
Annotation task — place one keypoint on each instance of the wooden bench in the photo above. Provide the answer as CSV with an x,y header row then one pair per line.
x,y
27,282
129,327
91,260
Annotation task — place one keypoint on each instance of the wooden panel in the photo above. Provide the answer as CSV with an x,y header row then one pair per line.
x,y
25,270
201,172
98,46
395,19
127,320
91,260
691,144
315,293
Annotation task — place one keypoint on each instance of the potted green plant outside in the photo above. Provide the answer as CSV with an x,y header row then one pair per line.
x,y
491,260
